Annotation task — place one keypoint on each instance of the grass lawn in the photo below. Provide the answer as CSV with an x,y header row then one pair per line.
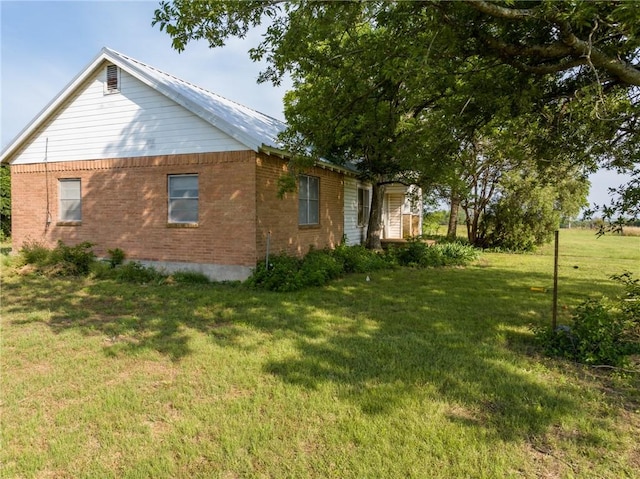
x,y
416,373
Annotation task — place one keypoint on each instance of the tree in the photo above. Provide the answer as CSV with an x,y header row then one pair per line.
x,y
430,67
529,207
595,40
5,202
591,52
357,95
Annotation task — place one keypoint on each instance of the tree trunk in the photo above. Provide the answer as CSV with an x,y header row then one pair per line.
x,y
374,230
453,216
473,233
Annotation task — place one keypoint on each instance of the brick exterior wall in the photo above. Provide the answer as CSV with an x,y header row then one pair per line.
x,y
125,205
280,216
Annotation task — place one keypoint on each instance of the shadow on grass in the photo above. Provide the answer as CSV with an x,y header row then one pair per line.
x,y
382,344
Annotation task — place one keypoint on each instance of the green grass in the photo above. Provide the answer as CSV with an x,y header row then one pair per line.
x,y
416,373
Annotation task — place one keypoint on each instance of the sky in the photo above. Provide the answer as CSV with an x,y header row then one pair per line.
x,y
44,45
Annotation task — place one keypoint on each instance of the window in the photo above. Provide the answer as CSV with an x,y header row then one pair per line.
x,y
70,200
112,85
364,203
183,199
308,200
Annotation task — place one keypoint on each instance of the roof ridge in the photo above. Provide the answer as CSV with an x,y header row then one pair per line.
x,y
191,84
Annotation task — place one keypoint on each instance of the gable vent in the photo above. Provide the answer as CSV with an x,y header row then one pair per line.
x,y
113,79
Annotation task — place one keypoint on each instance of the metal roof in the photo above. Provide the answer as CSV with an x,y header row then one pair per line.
x,y
253,129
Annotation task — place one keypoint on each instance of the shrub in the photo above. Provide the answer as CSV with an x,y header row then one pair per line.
x,y
523,218
5,202
601,331
286,273
35,253
358,259
415,253
432,221
63,260
419,254
279,275
73,260
116,257
318,267
456,254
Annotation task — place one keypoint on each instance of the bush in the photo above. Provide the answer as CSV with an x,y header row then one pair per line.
x,y
63,260
523,218
5,202
35,253
358,259
279,275
116,257
419,254
415,253
456,254
73,260
601,332
319,267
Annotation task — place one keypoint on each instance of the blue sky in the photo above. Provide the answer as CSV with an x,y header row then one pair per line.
x,y
44,45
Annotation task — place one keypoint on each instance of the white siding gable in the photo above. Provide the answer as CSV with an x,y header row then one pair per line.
x,y
136,121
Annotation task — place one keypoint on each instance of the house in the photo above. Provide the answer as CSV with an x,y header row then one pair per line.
x,y
129,157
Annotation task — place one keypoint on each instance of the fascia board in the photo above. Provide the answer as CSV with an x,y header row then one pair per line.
x,y
321,163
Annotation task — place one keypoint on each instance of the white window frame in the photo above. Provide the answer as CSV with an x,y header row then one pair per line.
x,y
109,90
307,204
364,205
173,199
69,201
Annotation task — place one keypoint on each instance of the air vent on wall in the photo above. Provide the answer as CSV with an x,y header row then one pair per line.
x,y
113,77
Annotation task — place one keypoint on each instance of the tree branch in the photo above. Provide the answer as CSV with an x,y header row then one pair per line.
x,y
502,12
569,45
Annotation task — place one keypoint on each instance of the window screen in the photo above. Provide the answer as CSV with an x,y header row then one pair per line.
x,y
183,198
70,200
364,203
308,200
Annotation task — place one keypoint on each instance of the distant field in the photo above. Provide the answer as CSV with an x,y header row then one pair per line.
x,y
416,373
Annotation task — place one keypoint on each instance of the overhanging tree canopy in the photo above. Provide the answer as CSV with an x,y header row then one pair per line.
x,y
449,65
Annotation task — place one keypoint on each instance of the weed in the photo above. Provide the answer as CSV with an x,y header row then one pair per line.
x,y
419,254
190,277
602,331
136,272
72,260
35,253
63,260
116,257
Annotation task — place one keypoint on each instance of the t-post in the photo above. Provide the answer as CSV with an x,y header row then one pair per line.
x,y
554,319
